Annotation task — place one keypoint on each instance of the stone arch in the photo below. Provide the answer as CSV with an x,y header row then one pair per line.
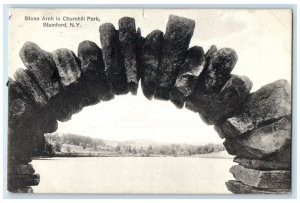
x,y
256,126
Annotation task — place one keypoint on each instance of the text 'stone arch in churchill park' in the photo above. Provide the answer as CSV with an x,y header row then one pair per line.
x,y
256,126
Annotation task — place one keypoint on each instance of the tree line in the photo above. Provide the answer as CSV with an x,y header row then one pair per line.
x,y
55,142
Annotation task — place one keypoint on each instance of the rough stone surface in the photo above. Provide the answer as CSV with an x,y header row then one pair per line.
x,y
42,68
270,102
43,114
95,82
268,139
176,41
232,149
20,181
263,141
284,155
67,66
139,46
218,71
262,164
209,54
20,109
46,121
150,59
237,187
128,40
22,142
227,101
113,59
70,102
70,99
188,75
31,89
276,179
21,169
197,98
215,107
20,148
22,190
40,65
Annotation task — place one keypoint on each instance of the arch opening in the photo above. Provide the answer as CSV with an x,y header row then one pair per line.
x,y
133,147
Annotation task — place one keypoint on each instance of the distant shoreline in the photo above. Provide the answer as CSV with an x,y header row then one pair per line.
x,y
219,155
72,145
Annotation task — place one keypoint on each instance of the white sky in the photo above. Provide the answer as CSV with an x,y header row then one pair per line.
x,y
262,39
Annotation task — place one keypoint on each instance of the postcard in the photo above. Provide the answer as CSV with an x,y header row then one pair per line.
x,y
149,101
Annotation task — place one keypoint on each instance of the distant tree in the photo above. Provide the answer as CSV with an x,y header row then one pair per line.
x,y
80,140
133,151
162,151
95,147
57,146
118,148
142,151
185,153
82,145
49,151
189,150
150,150
173,152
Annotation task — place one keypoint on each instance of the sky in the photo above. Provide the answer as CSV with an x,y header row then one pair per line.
x,y
261,38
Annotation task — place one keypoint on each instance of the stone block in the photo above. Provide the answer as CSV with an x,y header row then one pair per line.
x,y
20,180
237,187
20,109
128,40
188,76
209,54
22,190
150,58
139,46
176,41
67,66
218,71
95,83
269,103
30,88
262,164
41,66
113,59
263,141
21,169
227,102
43,114
275,179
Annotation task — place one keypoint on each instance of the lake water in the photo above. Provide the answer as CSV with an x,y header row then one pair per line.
x,y
164,175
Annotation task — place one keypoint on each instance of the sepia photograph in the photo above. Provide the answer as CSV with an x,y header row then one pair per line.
x,y
149,101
